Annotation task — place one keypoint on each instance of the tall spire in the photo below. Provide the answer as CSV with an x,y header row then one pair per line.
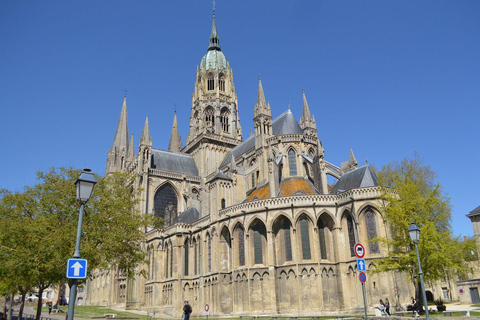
x,y
146,139
214,40
307,122
261,107
131,151
121,135
175,143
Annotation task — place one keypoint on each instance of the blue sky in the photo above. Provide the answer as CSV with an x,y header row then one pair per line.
x,y
385,78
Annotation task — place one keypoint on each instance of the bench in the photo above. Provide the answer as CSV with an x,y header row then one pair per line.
x,y
463,312
403,313
110,315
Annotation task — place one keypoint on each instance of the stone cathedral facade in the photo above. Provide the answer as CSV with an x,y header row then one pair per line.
x,y
252,226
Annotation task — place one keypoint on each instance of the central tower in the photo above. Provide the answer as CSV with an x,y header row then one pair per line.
x,y
214,123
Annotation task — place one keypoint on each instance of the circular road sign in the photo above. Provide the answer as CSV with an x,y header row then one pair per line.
x,y
362,277
207,307
359,250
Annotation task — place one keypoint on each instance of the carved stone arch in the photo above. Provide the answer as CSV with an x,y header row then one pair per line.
x,y
258,244
283,273
186,286
304,213
304,272
292,146
327,216
265,275
165,202
291,274
312,272
369,205
249,223
225,249
350,270
256,274
372,266
276,216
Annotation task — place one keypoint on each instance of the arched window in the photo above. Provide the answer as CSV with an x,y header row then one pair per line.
x,y
221,82
209,243
322,238
351,234
280,171
311,154
292,162
224,115
305,238
223,203
210,116
283,242
258,230
371,231
165,204
171,260
253,180
210,82
186,257
241,247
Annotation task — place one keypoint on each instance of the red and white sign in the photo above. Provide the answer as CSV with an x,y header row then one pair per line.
x,y
359,250
207,308
362,276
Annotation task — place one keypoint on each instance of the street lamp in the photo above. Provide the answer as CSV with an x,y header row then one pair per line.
x,y
414,232
84,184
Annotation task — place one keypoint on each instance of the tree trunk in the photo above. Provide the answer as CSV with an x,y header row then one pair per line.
x,y
22,305
10,310
39,304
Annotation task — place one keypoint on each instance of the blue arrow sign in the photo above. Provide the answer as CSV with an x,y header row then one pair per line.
x,y
76,268
361,265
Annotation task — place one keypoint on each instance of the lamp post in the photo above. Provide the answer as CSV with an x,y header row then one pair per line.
x,y
414,232
84,184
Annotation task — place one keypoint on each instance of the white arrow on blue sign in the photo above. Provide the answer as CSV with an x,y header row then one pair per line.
x,y
361,265
77,268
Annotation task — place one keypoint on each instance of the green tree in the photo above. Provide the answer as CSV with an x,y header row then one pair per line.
x,y
410,193
38,229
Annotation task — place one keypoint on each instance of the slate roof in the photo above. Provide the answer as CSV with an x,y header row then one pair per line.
x,y
173,162
221,175
474,212
358,178
282,125
188,216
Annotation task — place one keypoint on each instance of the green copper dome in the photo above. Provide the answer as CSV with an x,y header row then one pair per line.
x,y
214,59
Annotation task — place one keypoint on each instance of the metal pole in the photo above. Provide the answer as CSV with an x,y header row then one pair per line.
x,y
76,254
364,300
427,314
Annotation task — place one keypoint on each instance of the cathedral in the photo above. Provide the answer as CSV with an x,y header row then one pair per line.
x,y
251,226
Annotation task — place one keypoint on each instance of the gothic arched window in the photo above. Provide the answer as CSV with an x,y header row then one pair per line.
x,y
283,241
371,231
165,204
186,257
323,239
305,238
167,260
292,162
223,203
225,114
259,233
351,234
311,154
195,257
210,82
221,82
210,116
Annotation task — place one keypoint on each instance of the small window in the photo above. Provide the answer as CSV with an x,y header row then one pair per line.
x,y
210,82
223,203
210,116
292,162
224,119
221,83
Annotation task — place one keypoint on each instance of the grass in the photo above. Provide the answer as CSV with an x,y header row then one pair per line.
x,y
88,312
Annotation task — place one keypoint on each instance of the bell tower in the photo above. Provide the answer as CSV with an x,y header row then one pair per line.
x,y
214,123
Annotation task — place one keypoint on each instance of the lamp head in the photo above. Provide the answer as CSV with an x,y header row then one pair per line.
x,y
85,184
414,232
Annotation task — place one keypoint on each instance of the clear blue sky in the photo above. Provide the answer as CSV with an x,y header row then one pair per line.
x,y
385,78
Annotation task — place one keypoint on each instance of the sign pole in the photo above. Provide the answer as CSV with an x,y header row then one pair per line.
x,y
364,300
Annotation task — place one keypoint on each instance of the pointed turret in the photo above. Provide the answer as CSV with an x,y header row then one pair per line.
x,y
131,152
307,122
261,107
175,143
146,139
117,156
350,164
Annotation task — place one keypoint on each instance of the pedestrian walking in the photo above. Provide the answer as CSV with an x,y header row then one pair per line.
x,y
49,306
187,309
382,308
387,306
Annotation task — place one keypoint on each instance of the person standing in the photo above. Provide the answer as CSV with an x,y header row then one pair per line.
x,y
187,309
415,308
50,307
382,308
387,306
